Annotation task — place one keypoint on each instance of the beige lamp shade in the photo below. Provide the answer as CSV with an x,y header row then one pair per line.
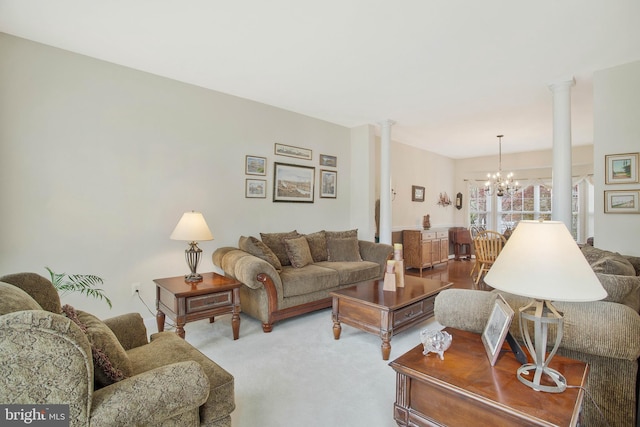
x,y
192,227
542,261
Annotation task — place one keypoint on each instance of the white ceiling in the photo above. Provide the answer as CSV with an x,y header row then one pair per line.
x,y
452,74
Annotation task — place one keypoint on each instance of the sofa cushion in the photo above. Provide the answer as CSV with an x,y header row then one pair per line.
x,y
342,234
298,251
15,299
353,272
257,248
621,289
111,363
318,245
607,262
309,279
40,289
275,241
343,249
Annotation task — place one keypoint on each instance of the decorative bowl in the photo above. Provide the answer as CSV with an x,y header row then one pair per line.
x,y
435,342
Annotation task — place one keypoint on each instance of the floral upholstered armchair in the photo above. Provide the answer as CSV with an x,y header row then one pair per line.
x,y
107,372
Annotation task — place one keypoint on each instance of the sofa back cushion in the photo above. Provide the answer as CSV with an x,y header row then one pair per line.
x,y
608,262
15,299
256,248
39,288
343,249
275,242
298,251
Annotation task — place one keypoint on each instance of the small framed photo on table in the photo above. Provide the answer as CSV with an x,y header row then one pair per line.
x,y
497,328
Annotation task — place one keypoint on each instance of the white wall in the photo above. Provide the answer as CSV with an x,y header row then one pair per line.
x,y
98,162
616,130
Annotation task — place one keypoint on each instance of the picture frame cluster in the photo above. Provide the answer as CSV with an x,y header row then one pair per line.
x,y
292,182
622,169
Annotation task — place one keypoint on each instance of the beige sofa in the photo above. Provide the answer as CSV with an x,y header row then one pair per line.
x,y
288,274
107,372
605,334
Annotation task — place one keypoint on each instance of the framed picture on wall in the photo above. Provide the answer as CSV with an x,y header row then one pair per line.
x,y
293,183
621,168
326,160
417,193
255,189
622,201
328,184
254,165
291,151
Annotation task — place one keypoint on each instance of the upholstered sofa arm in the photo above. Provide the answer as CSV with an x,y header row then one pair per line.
x,y
599,328
375,252
245,267
168,390
30,341
129,329
464,309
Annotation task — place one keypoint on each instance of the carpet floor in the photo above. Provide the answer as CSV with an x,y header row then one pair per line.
x,y
298,375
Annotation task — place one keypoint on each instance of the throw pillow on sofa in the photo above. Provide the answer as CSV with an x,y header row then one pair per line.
x,y
256,248
343,249
317,245
275,242
607,262
298,251
111,363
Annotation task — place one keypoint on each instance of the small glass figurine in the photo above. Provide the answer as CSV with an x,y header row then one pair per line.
x,y
435,342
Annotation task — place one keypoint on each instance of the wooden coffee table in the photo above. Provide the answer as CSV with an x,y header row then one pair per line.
x,y
367,307
189,301
465,390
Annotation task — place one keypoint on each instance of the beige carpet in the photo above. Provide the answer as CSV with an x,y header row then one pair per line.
x,y
298,375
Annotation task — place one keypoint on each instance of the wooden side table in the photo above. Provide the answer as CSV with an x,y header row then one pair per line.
x,y
465,390
186,302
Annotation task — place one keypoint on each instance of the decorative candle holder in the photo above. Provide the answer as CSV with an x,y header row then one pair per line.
x,y
390,277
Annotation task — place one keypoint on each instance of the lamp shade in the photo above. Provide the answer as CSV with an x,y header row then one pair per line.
x,y
541,260
192,227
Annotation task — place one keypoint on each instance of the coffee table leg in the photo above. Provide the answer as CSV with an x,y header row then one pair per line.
x,y
235,325
160,320
386,345
180,329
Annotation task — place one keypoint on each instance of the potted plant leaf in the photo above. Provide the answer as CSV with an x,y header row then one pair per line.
x,y
83,283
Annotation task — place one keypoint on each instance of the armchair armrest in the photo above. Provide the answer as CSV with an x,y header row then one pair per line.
x,y
129,329
375,252
168,391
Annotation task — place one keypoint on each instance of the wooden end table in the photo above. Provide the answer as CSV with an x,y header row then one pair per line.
x,y
186,302
371,309
465,390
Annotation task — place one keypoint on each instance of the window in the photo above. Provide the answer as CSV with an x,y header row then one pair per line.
x,y
530,203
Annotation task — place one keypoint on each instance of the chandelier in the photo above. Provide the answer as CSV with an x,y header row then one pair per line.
x,y
500,183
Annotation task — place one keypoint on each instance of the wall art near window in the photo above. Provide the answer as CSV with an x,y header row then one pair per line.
x,y
622,201
417,193
293,183
326,160
255,189
328,184
255,165
297,152
621,168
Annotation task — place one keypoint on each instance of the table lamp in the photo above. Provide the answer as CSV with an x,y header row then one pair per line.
x,y
192,227
542,261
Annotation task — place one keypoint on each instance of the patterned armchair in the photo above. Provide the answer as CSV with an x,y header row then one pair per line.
x,y
107,372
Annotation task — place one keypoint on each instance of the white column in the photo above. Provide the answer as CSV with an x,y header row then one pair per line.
x,y
385,181
561,175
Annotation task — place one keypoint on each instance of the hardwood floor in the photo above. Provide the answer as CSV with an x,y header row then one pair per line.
x,y
457,272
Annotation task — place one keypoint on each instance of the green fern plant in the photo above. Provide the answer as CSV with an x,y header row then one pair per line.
x,y
82,283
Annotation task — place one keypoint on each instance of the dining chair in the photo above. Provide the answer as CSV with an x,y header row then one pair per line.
x,y
487,245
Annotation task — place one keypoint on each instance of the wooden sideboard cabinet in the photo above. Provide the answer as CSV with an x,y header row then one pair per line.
x,y
425,248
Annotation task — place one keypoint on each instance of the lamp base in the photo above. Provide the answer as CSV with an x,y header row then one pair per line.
x,y
543,315
193,278
542,372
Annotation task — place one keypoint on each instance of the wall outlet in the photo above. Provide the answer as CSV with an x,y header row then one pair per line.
x,y
135,288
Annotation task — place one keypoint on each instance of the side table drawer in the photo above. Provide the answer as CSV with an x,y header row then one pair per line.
x,y
207,302
408,313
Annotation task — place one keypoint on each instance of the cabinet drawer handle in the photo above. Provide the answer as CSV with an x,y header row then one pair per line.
x,y
409,314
